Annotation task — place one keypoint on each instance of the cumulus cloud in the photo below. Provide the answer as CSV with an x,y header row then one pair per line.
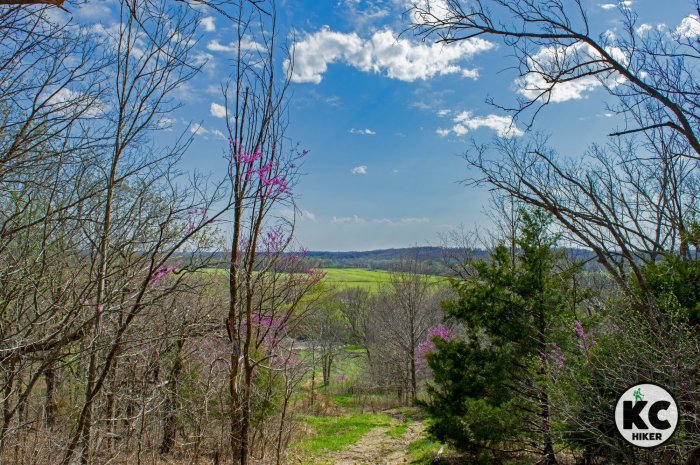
x,y
443,112
550,59
362,169
689,28
428,10
362,132
642,29
382,53
208,23
217,111
504,126
470,73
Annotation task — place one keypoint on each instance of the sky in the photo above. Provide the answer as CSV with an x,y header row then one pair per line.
x,y
387,116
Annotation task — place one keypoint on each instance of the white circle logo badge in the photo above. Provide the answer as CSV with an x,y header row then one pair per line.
x,y
646,415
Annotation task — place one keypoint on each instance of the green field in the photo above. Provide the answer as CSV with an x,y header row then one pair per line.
x,y
372,280
345,278
348,278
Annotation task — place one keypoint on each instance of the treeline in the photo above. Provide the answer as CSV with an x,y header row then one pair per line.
x,y
118,343
548,346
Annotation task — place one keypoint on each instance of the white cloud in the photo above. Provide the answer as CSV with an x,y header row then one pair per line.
x,y
111,32
363,15
303,215
623,4
428,10
202,58
443,112
66,101
217,111
247,44
548,60
642,29
470,73
94,11
199,130
460,129
217,134
362,169
401,221
208,23
382,53
354,219
362,132
216,46
306,214
465,121
689,28
166,124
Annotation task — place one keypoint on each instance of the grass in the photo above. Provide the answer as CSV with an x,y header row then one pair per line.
x,y
336,433
399,430
423,451
347,278
344,400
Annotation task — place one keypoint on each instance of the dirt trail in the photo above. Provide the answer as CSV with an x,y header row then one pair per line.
x,y
378,448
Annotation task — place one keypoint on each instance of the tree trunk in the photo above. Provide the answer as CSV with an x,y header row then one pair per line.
x,y
548,450
170,420
50,403
414,383
6,411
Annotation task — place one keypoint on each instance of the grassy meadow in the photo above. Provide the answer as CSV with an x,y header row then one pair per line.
x,y
349,278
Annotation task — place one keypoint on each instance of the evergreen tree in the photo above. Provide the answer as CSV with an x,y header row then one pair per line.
x,y
489,396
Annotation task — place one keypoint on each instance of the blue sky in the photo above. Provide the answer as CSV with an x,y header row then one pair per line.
x,y
386,118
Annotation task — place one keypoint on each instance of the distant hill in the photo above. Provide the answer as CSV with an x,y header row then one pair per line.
x,y
385,259
433,258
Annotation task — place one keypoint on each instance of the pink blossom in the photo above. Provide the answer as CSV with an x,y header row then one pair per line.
x,y
162,272
428,346
194,218
557,356
586,340
441,332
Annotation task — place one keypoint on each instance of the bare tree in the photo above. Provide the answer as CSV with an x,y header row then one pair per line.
x,y
631,200
401,317
650,73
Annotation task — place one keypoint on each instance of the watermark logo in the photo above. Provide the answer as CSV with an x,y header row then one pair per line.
x,y
646,415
